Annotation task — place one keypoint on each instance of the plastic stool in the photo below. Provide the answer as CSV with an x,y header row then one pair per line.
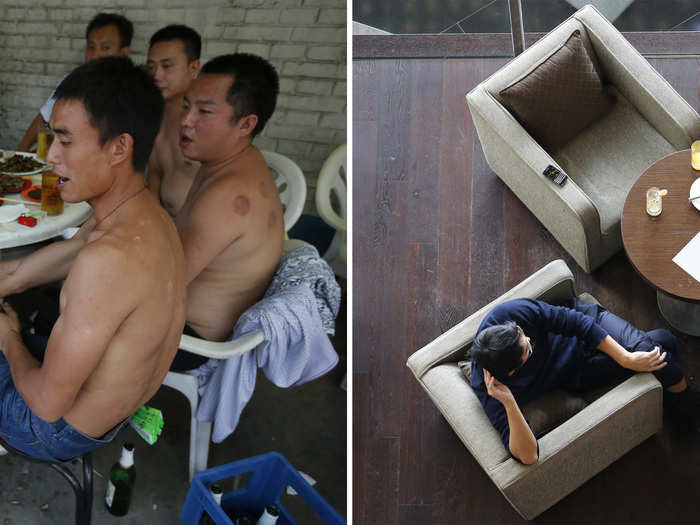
x,y
83,491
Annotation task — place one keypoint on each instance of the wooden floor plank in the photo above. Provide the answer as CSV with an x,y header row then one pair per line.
x,y
421,279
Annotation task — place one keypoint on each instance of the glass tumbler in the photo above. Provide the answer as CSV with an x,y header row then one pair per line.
x,y
51,201
654,205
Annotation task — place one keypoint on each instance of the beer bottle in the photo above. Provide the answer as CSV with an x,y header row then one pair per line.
x,y
215,491
269,515
121,482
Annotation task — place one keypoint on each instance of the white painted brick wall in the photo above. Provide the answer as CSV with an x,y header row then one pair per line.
x,y
42,40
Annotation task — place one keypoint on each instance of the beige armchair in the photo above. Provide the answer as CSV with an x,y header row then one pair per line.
x,y
570,454
648,121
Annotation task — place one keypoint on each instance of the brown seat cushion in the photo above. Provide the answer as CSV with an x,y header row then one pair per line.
x,y
560,97
546,412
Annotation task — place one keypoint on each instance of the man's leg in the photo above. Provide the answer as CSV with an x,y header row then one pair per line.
x,y
599,369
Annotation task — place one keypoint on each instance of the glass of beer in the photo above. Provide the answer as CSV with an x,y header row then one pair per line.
x,y
43,141
51,201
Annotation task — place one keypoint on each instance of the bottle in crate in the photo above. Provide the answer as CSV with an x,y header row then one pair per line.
x,y
269,515
216,493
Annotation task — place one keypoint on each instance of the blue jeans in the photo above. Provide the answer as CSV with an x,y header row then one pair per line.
x,y
599,369
22,430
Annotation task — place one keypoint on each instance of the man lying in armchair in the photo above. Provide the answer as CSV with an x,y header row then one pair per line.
x,y
526,347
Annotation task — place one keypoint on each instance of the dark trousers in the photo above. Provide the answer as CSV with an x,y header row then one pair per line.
x,y
48,314
599,369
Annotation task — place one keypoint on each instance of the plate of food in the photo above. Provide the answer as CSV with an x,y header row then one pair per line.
x,y
20,164
12,184
33,193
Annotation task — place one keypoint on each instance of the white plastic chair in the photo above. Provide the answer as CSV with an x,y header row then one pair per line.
x,y
187,384
331,183
291,185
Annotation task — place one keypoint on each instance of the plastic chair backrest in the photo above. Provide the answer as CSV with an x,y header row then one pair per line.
x,y
331,183
291,185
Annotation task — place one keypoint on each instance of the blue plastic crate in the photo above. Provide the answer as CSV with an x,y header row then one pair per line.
x,y
270,474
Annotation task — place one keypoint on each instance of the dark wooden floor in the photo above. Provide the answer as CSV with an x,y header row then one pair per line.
x,y
436,236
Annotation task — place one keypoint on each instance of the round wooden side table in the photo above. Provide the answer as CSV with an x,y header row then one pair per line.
x,y
652,242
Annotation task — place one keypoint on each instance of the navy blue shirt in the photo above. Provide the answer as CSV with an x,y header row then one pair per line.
x,y
562,338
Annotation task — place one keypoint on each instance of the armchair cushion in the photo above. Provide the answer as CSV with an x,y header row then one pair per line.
x,y
560,96
544,413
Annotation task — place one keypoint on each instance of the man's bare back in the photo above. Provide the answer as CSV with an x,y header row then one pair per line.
x,y
234,213
145,268
170,174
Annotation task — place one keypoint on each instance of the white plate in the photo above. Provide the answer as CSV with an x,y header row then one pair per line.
x,y
9,154
695,192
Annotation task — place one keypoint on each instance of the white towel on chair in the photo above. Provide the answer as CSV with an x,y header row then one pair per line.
x,y
296,350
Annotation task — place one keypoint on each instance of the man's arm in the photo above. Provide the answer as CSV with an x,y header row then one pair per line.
x,y
31,134
46,265
211,226
91,315
638,361
521,441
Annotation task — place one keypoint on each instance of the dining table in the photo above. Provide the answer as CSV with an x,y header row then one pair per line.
x,y
652,242
14,235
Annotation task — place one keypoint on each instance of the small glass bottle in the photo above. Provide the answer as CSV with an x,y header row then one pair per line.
x,y
216,493
269,515
121,482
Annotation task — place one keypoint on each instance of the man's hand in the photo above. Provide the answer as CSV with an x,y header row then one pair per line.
x,y
9,323
646,361
496,389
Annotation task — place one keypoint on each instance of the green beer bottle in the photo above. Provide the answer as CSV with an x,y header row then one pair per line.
x,y
121,482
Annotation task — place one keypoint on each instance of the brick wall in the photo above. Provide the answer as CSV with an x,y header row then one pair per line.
x,y
41,40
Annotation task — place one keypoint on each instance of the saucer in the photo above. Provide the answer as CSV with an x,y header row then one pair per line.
x,y
694,192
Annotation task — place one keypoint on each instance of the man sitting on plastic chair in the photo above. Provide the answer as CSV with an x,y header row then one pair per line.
x,y
231,224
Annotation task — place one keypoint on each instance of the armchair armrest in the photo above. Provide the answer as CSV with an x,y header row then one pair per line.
x,y
221,350
582,446
554,282
566,211
639,82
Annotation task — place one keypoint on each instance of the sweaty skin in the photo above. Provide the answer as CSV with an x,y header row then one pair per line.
x,y
122,304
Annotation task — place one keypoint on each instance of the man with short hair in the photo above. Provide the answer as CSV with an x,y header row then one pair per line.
x,y
525,347
123,301
231,224
173,62
107,34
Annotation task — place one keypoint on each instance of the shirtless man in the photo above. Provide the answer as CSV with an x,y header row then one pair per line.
x,y
231,224
123,300
173,62
107,34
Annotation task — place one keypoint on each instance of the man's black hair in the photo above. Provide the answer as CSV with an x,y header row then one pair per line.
x,y
497,349
124,26
119,97
189,37
255,85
